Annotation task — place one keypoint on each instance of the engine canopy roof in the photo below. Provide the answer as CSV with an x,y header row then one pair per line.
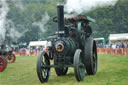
x,y
72,19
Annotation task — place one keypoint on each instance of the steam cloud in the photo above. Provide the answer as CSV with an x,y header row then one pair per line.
x,y
13,33
78,6
42,24
6,25
3,13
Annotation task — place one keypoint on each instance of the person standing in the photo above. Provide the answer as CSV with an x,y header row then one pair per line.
x,y
87,29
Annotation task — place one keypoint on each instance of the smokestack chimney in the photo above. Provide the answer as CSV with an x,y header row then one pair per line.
x,y
60,16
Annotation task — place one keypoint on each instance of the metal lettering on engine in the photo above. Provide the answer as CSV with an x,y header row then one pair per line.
x,y
60,32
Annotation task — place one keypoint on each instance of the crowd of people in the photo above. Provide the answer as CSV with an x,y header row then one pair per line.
x,y
114,45
118,45
116,48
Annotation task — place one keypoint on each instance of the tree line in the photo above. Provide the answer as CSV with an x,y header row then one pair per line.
x,y
109,19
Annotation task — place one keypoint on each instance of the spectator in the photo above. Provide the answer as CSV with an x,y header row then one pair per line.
x,y
113,46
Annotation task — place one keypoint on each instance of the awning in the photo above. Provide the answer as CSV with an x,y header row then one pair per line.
x,y
99,38
122,36
38,43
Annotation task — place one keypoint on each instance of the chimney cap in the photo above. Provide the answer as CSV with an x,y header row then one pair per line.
x,y
60,5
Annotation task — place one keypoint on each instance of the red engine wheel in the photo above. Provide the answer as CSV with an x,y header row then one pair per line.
x,y
11,58
3,63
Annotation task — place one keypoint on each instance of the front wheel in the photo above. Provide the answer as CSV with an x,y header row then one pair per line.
x,y
42,70
3,63
79,67
11,58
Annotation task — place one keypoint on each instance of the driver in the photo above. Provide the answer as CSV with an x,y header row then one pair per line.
x,y
87,29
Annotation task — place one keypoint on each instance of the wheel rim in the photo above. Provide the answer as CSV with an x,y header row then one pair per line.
x,y
79,67
44,70
2,64
81,70
94,61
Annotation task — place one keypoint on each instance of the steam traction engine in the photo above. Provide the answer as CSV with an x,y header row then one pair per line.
x,y
6,56
70,48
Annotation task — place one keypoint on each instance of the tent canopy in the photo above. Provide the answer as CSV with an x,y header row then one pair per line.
x,y
122,36
38,43
99,38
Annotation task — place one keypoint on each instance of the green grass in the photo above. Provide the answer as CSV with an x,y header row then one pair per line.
x,y
112,70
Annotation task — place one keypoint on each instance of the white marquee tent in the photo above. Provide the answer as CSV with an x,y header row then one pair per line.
x,y
39,43
115,37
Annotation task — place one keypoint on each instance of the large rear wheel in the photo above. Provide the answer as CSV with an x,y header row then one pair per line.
x,y
42,70
90,56
79,67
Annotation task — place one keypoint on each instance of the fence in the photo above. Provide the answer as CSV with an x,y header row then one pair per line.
x,y
119,51
27,53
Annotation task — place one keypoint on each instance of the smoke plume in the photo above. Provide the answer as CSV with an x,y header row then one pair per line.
x,y
78,6
42,24
7,27
14,34
3,13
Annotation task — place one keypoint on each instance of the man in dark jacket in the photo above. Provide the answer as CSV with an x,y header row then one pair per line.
x,y
87,29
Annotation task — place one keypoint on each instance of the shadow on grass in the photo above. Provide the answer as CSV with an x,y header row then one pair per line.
x,y
70,77
73,74
67,79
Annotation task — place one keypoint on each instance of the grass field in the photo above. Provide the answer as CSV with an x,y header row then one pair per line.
x,y
112,70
